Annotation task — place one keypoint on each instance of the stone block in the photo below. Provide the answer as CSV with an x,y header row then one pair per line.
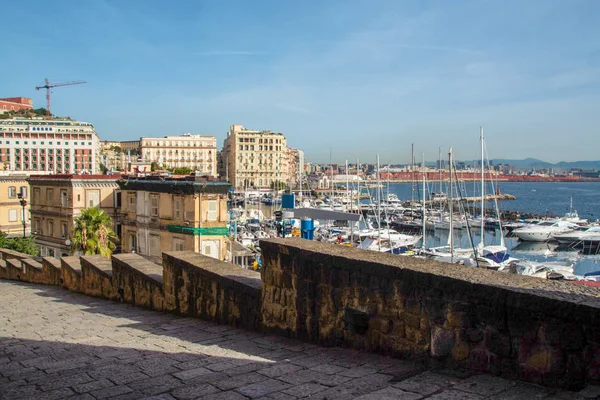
x,y
138,281
52,270
201,286
96,277
32,271
71,273
442,342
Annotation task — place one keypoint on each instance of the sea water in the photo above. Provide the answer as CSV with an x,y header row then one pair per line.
x,y
545,198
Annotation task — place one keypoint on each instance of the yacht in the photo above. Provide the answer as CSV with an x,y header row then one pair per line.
x,y
576,237
544,230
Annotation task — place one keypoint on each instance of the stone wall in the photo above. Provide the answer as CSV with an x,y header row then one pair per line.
x,y
539,331
204,287
187,283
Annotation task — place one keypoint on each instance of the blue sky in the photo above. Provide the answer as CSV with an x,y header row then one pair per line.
x,y
359,77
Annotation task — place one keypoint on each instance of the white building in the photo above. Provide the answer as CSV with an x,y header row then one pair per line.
x,y
38,145
197,152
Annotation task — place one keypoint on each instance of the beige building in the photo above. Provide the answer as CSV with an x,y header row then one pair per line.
x,y
295,166
57,199
11,210
197,152
161,214
254,158
117,155
58,145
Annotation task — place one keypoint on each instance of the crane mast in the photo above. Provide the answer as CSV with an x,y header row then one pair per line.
x,y
49,86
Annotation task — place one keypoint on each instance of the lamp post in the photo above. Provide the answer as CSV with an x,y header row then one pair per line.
x,y
23,204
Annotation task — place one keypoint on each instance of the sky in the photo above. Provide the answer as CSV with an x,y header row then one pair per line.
x,y
357,78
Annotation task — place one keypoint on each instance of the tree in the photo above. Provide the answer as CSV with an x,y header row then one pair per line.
x,y
278,185
182,171
154,166
24,245
93,233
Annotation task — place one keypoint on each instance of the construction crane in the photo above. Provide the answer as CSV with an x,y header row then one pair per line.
x,y
49,86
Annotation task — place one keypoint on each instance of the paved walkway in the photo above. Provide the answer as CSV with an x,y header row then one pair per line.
x,y
55,344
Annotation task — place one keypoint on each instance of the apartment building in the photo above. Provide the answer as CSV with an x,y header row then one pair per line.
x,y
254,158
197,152
11,210
15,104
295,166
57,199
58,145
161,214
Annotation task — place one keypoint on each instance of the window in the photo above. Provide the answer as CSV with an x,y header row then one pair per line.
x,y
63,229
131,202
12,192
212,210
132,242
36,226
49,196
154,205
12,215
93,198
155,249
177,208
178,245
23,190
63,198
36,196
50,228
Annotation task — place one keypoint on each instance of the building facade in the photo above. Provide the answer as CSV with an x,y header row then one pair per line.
x,y
197,152
33,145
295,167
12,214
161,214
15,104
57,199
254,158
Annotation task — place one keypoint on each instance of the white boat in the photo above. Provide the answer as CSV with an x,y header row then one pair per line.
x,y
576,237
573,217
544,230
384,245
545,269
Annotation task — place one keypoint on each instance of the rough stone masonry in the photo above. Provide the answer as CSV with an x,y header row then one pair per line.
x,y
448,316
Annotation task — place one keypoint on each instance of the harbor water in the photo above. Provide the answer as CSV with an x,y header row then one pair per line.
x,y
544,198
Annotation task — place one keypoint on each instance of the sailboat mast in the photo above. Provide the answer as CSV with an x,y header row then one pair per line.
x,y
412,172
441,179
331,168
424,240
451,208
482,190
378,206
347,181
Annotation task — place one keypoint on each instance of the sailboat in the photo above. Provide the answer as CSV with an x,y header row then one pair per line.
x,y
490,256
448,253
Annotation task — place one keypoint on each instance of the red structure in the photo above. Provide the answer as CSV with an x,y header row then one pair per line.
x,y
15,103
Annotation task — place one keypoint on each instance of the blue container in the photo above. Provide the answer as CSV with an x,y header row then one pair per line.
x,y
307,229
287,200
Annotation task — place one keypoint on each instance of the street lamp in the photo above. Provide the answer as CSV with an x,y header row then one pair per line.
x,y
23,204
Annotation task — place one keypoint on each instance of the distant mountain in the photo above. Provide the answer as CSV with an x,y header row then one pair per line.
x,y
530,163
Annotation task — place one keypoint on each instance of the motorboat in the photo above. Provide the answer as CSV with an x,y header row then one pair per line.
x,y
384,245
576,237
544,230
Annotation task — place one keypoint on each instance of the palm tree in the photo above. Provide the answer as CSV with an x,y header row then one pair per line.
x,y
93,233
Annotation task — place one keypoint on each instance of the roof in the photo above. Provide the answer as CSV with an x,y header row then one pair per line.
x,y
187,185
68,177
